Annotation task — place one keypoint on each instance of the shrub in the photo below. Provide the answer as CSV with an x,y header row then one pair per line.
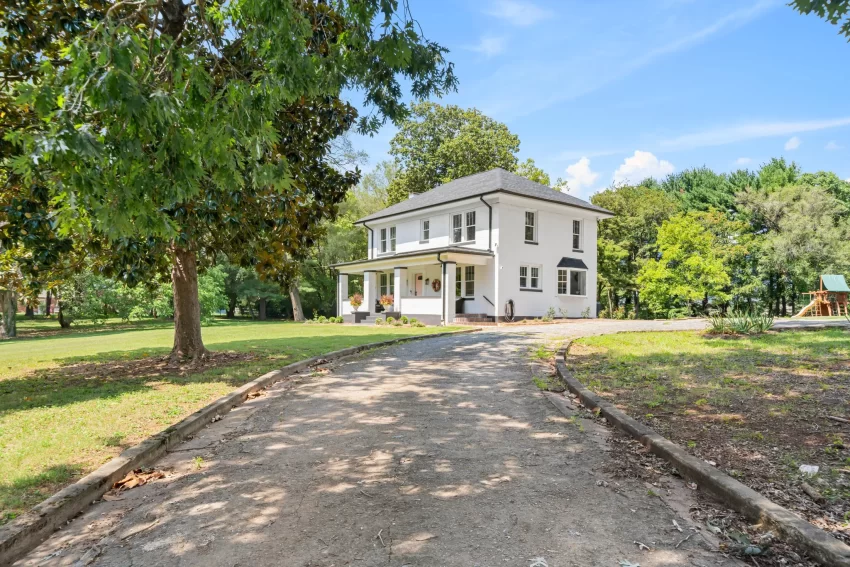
x,y
415,323
413,320
740,323
562,312
550,314
398,324
404,320
340,319
718,325
390,320
322,319
379,321
586,313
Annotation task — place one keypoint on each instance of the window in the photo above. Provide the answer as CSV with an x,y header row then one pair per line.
x,y
578,282
392,239
563,280
530,226
470,226
458,225
469,281
576,235
529,277
457,228
425,232
383,240
386,284
464,281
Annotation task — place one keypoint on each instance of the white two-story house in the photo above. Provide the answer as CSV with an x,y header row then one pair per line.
x,y
492,246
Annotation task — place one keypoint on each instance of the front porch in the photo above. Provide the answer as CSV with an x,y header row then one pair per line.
x,y
432,287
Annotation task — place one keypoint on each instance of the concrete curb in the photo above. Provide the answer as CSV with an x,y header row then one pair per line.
x,y
797,531
20,536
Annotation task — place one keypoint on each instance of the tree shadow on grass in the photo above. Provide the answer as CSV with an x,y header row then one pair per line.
x,y
116,373
22,493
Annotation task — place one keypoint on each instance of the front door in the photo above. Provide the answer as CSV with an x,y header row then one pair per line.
x,y
418,289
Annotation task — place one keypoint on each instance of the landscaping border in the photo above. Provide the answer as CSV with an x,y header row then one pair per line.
x,y
797,531
22,535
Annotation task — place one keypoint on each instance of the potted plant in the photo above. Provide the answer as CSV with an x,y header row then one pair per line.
x,y
356,301
386,300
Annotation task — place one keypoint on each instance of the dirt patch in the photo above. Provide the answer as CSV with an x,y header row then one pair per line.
x,y
756,408
147,367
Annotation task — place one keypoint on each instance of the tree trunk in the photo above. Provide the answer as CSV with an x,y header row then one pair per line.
x,y
188,344
47,303
29,313
8,311
262,315
295,297
231,307
63,322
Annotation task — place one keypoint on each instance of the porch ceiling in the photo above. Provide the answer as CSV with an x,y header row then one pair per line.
x,y
418,258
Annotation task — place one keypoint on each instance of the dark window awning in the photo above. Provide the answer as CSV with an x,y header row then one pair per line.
x,y
572,263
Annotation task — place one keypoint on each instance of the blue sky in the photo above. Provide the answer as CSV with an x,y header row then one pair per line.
x,y
616,90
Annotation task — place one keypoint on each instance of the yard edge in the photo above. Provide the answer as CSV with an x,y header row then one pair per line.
x,y
22,535
817,543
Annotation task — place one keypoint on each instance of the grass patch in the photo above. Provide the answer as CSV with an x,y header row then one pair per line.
x,y
70,400
755,405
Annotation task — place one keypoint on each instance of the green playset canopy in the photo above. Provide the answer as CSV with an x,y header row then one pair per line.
x,y
835,283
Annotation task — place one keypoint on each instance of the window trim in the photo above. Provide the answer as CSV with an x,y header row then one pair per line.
x,y
534,227
528,277
464,227
466,281
382,240
423,238
570,282
580,235
387,240
390,285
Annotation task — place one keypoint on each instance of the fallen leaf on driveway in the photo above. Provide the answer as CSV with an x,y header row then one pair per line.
x,y
136,478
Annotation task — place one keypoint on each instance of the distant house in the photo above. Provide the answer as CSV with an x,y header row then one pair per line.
x,y
479,247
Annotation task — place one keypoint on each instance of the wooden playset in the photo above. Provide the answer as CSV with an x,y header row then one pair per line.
x,y
830,299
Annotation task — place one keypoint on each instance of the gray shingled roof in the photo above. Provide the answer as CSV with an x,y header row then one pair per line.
x,y
494,181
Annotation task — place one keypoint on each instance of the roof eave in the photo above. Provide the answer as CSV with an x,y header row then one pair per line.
x,y
600,211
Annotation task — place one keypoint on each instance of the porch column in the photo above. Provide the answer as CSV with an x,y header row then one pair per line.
x,y
448,293
400,276
341,292
370,290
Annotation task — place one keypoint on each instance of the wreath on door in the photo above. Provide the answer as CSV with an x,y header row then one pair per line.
x,y
435,285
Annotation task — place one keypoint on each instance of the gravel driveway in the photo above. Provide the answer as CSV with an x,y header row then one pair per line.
x,y
434,452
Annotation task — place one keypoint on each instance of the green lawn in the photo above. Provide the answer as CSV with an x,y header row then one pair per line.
x,y
757,406
72,399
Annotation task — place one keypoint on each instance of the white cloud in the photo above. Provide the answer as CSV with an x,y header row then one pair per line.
x,y
743,132
743,161
580,176
832,145
489,46
640,166
517,12
792,144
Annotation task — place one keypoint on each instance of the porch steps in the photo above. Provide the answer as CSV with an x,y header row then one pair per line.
x,y
478,319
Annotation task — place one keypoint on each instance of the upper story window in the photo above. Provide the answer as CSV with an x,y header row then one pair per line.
x,y
425,231
529,277
463,225
577,235
530,226
387,240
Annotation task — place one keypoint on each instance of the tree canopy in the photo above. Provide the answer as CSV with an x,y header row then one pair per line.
x,y
168,132
438,144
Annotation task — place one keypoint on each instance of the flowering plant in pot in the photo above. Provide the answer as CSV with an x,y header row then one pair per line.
x,y
386,300
356,301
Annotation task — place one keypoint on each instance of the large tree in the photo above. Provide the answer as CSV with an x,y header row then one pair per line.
x,y
836,12
628,239
701,189
437,144
173,131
